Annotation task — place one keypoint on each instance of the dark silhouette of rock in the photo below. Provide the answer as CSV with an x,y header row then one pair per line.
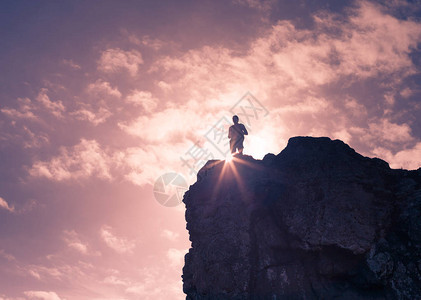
x,y
317,221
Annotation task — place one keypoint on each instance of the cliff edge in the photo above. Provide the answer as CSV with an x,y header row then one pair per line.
x,y
316,221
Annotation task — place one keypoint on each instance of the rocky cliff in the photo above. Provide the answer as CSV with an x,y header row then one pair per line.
x,y
316,221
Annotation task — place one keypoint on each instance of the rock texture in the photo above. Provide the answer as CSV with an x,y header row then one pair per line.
x,y
317,221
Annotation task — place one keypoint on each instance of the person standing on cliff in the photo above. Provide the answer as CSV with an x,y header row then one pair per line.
x,y
236,134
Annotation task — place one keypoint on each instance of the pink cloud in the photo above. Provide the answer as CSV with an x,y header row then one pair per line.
x,y
384,134
289,59
263,5
73,241
406,92
309,80
144,165
42,295
119,244
155,44
391,132
6,206
113,60
151,286
342,135
172,124
70,63
103,88
176,257
409,158
41,272
6,255
96,118
139,165
170,235
287,69
55,107
143,99
355,107
32,140
307,105
113,280
25,110
376,43
81,161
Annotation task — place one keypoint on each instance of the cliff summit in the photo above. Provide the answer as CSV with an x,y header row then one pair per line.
x,y
316,221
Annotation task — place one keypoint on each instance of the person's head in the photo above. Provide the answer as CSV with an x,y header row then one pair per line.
x,y
235,119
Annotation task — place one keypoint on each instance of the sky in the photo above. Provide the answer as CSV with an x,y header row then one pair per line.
x,y
101,99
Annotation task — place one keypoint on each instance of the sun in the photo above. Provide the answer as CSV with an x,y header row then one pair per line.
x,y
257,147
229,158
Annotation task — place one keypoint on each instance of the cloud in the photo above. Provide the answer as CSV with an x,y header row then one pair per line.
x,y
118,244
139,165
391,132
96,118
310,80
25,110
287,61
64,269
22,127
113,280
171,134
54,107
406,92
262,5
78,162
149,283
35,274
143,165
169,125
148,287
113,60
73,241
306,105
354,107
375,43
143,99
42,295
87,159
39,271
288,68
6,206
382,133
407,159
168,234
6,255
32,139
70,63
176,257
368,43
155,44
343,78
140,289
146,40
103,88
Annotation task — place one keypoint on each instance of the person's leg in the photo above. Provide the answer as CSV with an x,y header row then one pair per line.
x,y
232,146
236,145
240,146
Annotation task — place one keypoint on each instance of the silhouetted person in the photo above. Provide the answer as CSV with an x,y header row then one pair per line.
x,y
236,135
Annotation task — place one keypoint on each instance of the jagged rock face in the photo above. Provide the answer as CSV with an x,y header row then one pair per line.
x,y
317,221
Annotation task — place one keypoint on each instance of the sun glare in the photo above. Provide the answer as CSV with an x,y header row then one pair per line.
x,y
229,158
257,147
